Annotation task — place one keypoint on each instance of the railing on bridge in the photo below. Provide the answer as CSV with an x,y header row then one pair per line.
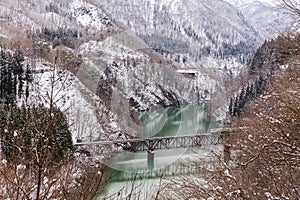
x,y
155,143
172,142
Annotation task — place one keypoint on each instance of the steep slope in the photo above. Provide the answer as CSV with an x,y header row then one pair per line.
x,y
114,70
35,28
264,16
193,33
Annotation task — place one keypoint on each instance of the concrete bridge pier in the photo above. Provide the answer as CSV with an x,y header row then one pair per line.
x,y
150,159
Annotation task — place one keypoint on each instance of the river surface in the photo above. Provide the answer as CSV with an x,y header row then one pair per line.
x,y
173,121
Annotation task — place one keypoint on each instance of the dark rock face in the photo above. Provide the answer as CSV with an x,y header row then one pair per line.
x,y
133,103
133,113
146,95
104,91
169,97
154,95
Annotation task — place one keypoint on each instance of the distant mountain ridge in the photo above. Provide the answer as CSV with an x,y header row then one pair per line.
x,y
108,45
193,33
115,72
264,16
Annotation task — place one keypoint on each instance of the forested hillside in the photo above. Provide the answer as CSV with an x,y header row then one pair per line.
x,y
274,55
211,34
75,73
15,77
262,156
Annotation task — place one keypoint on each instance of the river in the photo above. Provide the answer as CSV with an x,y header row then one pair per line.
x,y
173,121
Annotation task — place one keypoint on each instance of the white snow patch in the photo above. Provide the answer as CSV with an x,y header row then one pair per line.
x,y
226,173
74,99
4,162
90,16
15,134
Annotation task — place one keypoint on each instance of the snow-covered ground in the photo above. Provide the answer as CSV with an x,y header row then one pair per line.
x,y
134,75
78,103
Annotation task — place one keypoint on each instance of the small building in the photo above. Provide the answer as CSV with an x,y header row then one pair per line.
x,y
188,73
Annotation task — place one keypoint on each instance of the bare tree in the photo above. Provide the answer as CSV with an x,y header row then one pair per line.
x,y
291,6
37,157
265,154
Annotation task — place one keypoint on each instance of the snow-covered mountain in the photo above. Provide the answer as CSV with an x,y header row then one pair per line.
x,y
108,47
117,72
34,26
264,16
208,33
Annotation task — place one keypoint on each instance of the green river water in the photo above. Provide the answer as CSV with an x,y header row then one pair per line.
x,y
172,121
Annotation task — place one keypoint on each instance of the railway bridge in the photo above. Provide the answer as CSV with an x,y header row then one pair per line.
x,y
168,142
157,143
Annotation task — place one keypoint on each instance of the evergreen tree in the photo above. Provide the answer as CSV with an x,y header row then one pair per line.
x,y
236,107
248,92
18,70
28,79
252,91
12,76
26,132
242,99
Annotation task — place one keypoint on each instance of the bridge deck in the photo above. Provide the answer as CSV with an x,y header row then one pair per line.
x,y
154,143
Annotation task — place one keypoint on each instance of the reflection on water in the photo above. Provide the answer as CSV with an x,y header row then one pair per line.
x,y
172,121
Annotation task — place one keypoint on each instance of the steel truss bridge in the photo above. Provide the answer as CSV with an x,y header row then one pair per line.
x,y
156,143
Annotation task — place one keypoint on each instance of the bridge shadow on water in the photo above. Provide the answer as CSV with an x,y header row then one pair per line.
x,y
176,169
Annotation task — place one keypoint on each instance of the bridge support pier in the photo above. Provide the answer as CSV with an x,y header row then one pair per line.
x,y
150,159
